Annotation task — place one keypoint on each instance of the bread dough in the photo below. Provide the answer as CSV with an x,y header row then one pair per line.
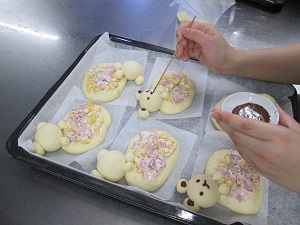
x,y
133,70
202,192
219,106
112,165
104,82
84,128
178,89
47,138
155,155
246,186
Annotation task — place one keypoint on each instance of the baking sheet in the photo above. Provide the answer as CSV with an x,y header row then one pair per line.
x,y
216,85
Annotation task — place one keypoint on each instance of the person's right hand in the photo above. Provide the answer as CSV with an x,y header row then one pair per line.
x,y
206,43
273,150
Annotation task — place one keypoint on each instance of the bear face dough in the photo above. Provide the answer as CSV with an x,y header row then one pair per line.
x,y
84,128
202,192
105,82
155,155
219,106
246,185
47,138
180,91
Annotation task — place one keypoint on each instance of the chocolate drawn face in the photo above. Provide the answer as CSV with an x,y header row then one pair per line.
x,y
150,100
203,190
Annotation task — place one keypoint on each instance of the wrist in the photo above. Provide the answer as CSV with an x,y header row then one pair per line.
x,y
233,61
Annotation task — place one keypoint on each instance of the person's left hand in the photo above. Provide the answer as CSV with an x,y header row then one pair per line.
x,y
273,150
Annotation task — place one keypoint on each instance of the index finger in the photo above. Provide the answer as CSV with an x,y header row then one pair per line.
x,y
204,27
253,128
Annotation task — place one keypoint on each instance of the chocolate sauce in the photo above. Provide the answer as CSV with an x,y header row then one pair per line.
x,y
252,111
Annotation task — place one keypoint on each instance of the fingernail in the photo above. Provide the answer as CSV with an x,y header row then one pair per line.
x,y
215,115
186,31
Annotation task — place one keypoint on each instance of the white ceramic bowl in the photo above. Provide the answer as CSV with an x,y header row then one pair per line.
x,y
240,98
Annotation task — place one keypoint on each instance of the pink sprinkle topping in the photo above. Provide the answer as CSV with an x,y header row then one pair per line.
x,y
83,123
103,76
176,89
242,175
149,149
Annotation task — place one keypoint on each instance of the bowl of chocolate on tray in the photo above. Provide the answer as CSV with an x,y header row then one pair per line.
x,y
252,106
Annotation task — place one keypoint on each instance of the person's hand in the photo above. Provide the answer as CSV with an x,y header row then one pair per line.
x,y
206,43
273,150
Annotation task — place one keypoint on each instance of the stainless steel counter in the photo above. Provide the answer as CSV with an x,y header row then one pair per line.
x,y
40,40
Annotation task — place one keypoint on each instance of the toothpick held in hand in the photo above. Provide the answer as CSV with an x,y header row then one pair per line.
x,y
178,46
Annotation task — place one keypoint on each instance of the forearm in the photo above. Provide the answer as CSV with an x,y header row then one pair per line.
x,y
280,65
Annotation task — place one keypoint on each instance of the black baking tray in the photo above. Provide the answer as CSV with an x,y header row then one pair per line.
x,y
145,202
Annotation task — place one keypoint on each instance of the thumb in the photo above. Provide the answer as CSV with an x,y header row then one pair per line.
x,y
194,35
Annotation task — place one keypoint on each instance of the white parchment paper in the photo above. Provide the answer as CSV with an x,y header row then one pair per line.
x,y
136,125
196,72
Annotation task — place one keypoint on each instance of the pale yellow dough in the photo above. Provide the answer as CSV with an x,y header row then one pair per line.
x,y
252,205
98,119
168,106
136,178
219,106
111,91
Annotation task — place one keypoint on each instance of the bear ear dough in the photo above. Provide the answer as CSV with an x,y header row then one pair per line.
x,y
190,204
138,94
182,186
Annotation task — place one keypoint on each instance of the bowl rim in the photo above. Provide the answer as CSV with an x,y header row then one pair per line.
x,y
274,114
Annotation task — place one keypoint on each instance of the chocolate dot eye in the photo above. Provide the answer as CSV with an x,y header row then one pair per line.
x,y
183,184
140,91
201,193
148,98
143,109
198,180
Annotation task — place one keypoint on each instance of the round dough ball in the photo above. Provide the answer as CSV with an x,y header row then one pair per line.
x,y
49,136
118,74
132,70
117,66
96,174
143,113
181,186
191,205
39,149
140,80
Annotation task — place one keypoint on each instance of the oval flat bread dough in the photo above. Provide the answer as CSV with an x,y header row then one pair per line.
x,y
101,83
180,89
156,153
246,187
218,105
84,128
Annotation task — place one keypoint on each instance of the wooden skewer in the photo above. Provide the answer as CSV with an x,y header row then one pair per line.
x,y
178,46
